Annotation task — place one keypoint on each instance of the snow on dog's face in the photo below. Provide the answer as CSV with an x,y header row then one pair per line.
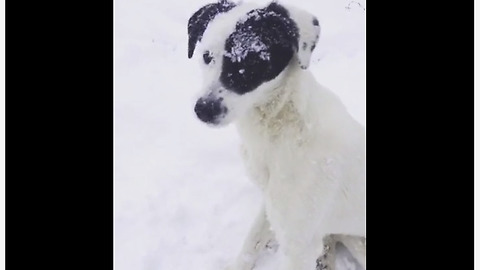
x,y
244,51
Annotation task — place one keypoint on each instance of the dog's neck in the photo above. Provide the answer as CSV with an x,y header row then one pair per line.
x,y
280,96
279,111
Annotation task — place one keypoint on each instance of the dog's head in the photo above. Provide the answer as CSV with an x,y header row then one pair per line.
x,y
245,51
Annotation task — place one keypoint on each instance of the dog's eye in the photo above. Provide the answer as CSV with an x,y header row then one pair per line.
x,y
207,57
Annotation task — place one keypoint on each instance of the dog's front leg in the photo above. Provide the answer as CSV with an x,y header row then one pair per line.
x,y
298,256
257,240
301,246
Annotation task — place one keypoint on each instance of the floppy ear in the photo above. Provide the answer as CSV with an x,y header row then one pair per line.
x,y
309,33
200,20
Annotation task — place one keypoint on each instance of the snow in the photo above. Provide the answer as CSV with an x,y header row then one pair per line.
x,y
245,43
182,199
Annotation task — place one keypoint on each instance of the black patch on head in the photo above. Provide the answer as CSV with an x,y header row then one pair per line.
x,y
261,46
200,20
315,21
312,48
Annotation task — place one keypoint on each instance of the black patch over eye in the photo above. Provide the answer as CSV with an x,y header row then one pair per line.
x,y
259,49
207,57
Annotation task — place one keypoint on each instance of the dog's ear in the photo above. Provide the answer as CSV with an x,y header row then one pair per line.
x,y
199,21
309,33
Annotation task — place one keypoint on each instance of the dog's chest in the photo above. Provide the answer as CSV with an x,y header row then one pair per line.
x,y
298,167
285,156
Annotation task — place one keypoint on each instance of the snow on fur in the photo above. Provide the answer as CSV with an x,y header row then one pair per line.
x,y
244,43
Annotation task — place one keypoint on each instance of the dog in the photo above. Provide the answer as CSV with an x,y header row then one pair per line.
x,y
300,145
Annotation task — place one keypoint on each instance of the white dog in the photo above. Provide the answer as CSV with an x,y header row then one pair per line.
x,y
300,144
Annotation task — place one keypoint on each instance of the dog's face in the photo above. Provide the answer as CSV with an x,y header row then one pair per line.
x,y
245,51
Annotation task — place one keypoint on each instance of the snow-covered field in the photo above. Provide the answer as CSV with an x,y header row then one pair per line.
x,y
182,199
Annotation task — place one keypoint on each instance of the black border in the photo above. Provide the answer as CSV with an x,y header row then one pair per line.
x,y
420,135
59,135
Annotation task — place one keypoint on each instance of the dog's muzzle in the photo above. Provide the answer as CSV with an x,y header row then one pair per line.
x,y
210,110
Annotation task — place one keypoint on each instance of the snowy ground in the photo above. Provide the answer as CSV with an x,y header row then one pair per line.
x,y
182,200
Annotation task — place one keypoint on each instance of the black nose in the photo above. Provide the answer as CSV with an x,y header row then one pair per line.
x,y
208,110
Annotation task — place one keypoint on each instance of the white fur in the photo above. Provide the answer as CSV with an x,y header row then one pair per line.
x,y
307,154
301,147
